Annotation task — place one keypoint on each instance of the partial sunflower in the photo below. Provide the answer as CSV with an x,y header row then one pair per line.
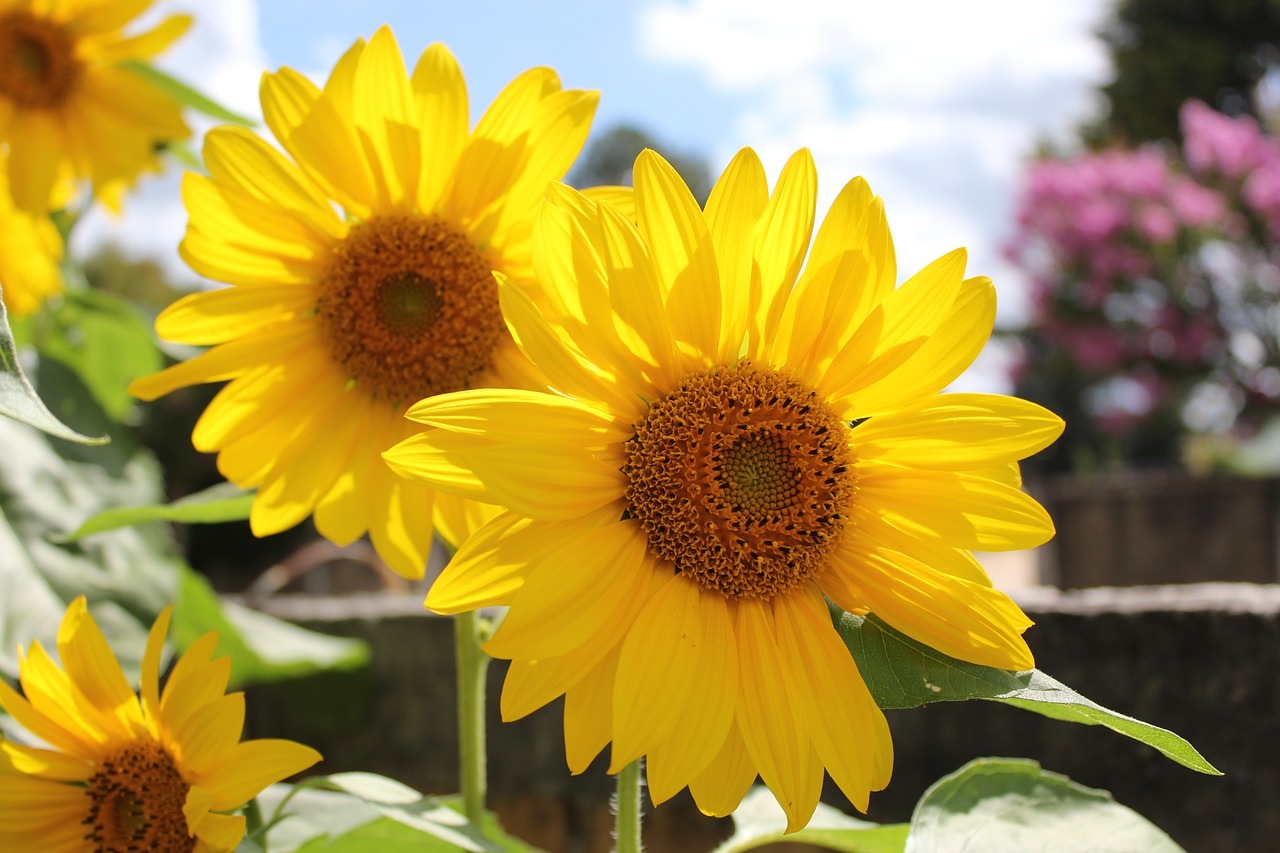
x,y
735,442
30,249
125,772
340,320
71,108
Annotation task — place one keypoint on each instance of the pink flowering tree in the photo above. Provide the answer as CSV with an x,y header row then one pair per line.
x,y
1155,290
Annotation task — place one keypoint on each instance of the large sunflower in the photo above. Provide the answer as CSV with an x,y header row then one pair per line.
x,y
339,321
734,442
124,772
30,248
70,107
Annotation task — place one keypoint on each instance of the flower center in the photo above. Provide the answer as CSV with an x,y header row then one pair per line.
x,y
410,308
137,798
741,477
39,66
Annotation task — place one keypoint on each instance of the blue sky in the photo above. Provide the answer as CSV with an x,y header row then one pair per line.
x,y
937,103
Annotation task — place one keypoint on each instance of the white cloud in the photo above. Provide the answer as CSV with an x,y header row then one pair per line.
x,y
221,56
937,103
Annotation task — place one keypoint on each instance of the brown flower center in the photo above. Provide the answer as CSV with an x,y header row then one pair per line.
x,y
136,800
410,308
38,64
742,477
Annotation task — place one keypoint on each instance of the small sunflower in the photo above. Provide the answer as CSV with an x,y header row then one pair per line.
x,y
122,772
70,107
735,442
30,249
339,321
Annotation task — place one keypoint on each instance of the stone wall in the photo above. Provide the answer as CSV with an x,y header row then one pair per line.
x,y
1198,659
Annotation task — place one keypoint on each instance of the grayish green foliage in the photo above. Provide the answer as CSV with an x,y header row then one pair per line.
x,y
1006,805
759,820
219,503
19,400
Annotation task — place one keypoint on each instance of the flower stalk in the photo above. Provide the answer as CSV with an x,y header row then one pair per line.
x,y
473,666
626,810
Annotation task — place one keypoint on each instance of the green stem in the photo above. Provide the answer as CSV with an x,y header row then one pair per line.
x,y
627,810
473,665
253,823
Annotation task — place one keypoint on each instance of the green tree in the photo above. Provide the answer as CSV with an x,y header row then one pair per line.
x,y
609,157
1166,51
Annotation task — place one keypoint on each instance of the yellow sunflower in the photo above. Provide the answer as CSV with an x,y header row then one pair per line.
x,y
156,772
30,248
735,441
70,107
339,321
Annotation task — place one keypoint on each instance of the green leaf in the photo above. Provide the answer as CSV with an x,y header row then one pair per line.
x,y
1001,804
127,575
261,647
902,673
218,503
105,342
19,400
359,812
184,94
759,820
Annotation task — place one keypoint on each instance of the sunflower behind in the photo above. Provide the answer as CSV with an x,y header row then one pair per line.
x,y
71,109
125,772
337,322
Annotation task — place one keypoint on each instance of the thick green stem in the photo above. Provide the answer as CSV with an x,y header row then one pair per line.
x,y
627,810
473,665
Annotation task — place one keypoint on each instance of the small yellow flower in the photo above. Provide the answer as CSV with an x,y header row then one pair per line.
x,y
30,248
123,772
70,110
735,443
339,321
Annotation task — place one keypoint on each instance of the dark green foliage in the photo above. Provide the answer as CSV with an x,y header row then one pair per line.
x,y
1166,51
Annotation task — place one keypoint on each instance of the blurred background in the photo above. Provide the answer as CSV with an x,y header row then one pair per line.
x,y
1114,167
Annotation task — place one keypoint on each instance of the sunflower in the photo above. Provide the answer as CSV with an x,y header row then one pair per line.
x,y
30,249
734,443
156,772
337,323
71,108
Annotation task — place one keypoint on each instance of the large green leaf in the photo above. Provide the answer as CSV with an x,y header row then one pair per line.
x,y
261,647
759,820
19,400
360,812
218,503
903,673
1000,805
105,342
128,575
49,487
184,94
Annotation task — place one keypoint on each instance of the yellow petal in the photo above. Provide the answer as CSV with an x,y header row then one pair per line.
x,y
588,712
958,431
962,510
219,833
733,209
931,367
896,329
386,117
252,766
958,618
677,686
846,726
676,233
216,316
782,238
442,98
773,726
720,787
606,567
